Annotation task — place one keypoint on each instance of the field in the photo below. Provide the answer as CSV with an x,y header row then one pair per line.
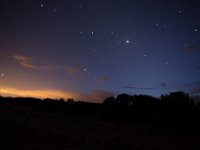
x,y
23,128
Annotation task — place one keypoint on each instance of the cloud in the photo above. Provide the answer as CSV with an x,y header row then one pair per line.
x,y
163,84
28,63
188,85
139,88
195,91
71,70
94,96
99,95
104,78
24,61
193,48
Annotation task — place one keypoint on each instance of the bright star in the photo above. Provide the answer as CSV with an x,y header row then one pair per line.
x,y
127,41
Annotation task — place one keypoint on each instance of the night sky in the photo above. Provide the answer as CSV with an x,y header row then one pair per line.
x,y
91,49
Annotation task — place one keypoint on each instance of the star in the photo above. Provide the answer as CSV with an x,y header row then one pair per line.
x,y
41,5
145,55
127,41
166,63
180,11
84,69
2,75
196,30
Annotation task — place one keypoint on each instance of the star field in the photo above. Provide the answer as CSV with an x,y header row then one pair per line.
x,y
94,49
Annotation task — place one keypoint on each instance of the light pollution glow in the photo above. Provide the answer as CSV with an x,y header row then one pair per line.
x,y
54,94
94,96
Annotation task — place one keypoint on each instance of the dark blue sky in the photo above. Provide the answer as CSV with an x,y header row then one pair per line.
x,y
90,49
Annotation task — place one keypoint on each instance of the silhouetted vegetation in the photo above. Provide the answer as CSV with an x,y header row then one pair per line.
x,y
174,115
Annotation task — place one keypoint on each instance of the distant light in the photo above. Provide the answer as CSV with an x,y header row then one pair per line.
x,y
41,5
127,41
92,32
195,30
2,75
166,63
84,69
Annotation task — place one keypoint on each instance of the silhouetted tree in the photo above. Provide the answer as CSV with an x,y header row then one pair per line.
x,y
109,101
123,99
70,101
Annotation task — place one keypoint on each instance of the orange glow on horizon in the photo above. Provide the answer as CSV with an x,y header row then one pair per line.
x,y
94,96
54,94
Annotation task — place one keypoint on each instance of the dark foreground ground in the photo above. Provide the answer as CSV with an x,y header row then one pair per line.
x,y
22,128
122,123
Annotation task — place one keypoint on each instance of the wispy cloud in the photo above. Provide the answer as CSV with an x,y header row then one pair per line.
x,y
163,84
71,70
24,61
195,91
104,78
27,62
193,48
99,95
139,88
